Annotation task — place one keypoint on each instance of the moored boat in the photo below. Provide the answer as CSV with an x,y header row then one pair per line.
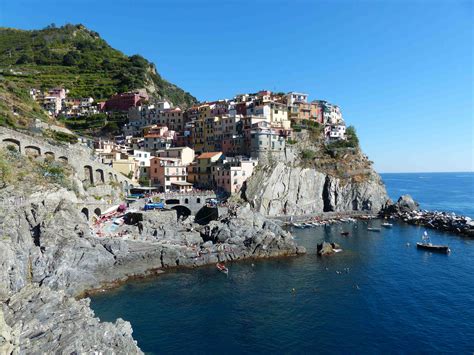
x,y
425,244
387,225
345,234
372,229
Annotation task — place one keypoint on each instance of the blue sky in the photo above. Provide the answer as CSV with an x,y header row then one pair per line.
x,y
402,71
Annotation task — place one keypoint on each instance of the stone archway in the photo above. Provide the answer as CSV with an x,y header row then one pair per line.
x,y
63,159
182,211
85,212
33,151
49,155
88,174
97,212
99,176
111,177
205,215
12,142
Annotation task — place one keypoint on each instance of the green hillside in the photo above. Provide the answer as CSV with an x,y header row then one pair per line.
x,y
81,61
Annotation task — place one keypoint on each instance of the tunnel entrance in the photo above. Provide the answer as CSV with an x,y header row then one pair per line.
x,y
182,211
206,214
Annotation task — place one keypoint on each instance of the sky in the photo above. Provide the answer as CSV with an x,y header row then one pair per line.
x,y
401,71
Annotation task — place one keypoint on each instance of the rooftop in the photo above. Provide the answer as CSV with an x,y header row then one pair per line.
x,y
208,155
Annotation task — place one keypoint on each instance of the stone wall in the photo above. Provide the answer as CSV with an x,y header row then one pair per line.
x,y
87,170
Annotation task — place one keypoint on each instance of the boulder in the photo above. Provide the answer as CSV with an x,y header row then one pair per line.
x,y
326,248
406,204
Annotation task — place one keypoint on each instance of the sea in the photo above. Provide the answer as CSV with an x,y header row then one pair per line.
x,y
379,295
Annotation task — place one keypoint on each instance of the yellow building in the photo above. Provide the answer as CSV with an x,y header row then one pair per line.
x,y
203,173
128,167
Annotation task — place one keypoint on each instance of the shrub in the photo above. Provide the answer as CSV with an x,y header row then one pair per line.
x,y
308,154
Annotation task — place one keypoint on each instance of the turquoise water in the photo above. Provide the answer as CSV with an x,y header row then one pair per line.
x,y
378,295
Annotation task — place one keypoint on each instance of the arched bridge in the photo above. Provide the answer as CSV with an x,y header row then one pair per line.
x,y
79,157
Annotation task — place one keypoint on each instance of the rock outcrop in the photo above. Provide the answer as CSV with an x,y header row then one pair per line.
x,y
49,254
42,321
284,189
326,248
408,211
404,204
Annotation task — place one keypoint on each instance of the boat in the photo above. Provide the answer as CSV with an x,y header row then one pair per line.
x,y
345,234
387,225
371,229
425,244
221,267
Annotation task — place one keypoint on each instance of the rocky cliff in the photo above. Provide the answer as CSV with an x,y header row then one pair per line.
x,y
49,254
341,182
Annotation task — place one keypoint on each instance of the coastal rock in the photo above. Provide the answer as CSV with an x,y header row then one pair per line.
x,y
406,204
49,254
284,189
50,322
326,248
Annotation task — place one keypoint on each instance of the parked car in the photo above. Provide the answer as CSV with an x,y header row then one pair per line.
x,y
154,206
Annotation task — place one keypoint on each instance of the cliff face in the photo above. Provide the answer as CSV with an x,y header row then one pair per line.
x,y
48,255
288,189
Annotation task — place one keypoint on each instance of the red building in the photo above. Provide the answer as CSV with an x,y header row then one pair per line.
x,y
122,102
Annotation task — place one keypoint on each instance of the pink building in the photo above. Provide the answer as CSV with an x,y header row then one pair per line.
x,y
232,174
170,174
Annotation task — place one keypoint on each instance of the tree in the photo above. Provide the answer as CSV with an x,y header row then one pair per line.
x,y
71,58
352,138
24,59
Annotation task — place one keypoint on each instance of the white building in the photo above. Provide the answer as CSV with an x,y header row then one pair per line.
x,y
335,131
293,97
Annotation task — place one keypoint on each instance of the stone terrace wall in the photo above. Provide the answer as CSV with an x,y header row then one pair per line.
x,y
79,157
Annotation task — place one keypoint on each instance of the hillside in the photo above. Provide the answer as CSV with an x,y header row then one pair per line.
x,y
17,108
78,59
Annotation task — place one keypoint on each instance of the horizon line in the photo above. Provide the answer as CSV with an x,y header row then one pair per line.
x,y
424,172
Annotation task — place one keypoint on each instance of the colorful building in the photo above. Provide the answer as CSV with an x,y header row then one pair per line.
x,y
169,174
231,175
201,172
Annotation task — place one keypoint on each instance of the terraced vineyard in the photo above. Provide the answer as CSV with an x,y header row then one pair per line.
x,y
77,58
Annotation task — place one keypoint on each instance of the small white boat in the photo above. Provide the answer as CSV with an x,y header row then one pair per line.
x,y
387,225
371,229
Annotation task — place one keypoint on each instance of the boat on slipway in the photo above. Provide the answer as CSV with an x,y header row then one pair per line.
x,y
426,244
222,268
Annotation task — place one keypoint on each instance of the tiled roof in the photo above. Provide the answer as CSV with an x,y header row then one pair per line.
x,y
208,155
